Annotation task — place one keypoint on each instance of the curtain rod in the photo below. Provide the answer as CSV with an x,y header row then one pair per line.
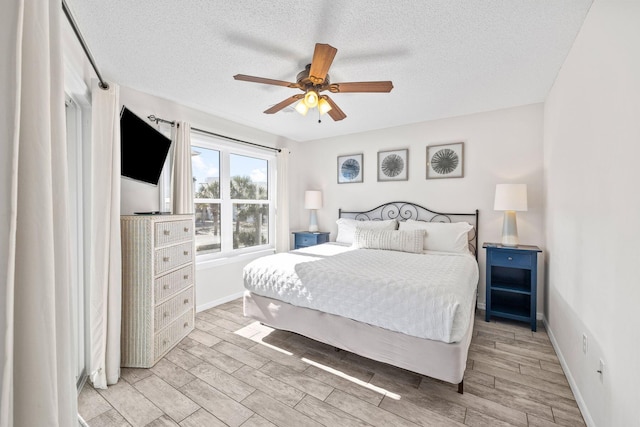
x,y
103,85
173,123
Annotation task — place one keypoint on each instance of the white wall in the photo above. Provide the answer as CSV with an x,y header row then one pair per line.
x,y
500,146
138,196
74,57
215,282
591,151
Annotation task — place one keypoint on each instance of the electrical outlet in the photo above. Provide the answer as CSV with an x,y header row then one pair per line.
x,y
601,370
584,343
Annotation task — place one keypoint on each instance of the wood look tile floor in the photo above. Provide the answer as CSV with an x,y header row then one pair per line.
x,y
232,371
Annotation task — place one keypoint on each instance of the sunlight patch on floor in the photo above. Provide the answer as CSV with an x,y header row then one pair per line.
x,y
354,380
256,331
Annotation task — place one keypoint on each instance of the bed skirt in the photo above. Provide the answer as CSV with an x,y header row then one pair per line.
x,y
435,359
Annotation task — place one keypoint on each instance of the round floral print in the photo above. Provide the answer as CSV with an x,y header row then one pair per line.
x,y
392,165
350,169
445,161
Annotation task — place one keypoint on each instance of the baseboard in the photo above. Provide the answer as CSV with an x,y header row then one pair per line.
x,y
483,306
572,383
217,302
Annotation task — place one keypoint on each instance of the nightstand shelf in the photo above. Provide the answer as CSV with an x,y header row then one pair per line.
x,y
509,287
511,282
510,305
304,239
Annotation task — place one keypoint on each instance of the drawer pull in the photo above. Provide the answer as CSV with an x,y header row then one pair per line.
x,y
185,277
165,342
165,287
186,301
186,229
186,324
167,232
166,314
186,253
510,258
165,259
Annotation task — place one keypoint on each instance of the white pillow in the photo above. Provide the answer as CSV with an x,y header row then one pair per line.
x,y
391,240
442,236
347,228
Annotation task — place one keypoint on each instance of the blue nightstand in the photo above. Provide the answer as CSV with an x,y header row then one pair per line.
x,y
305,239
512,277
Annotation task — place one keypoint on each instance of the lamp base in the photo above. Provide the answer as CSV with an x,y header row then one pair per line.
x,y
313,221
509,229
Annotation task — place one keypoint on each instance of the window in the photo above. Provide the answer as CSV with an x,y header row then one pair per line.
x,y
233,196
75,112
205,163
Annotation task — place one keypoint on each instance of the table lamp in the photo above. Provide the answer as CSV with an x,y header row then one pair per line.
x,y
313,201
510,198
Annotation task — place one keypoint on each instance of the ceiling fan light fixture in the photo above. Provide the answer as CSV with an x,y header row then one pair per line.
x,y
313,80
311,99
302,108
323,106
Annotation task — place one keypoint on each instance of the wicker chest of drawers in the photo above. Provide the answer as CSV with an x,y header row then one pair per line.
x,y
158,294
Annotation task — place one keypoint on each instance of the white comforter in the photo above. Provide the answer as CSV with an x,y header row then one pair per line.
x,y
423,295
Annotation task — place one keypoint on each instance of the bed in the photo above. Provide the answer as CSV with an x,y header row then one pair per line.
x,y
398,285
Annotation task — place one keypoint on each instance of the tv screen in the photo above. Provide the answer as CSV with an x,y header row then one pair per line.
x,y
143,149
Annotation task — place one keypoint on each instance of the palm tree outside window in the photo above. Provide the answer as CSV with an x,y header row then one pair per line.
x,y
234,200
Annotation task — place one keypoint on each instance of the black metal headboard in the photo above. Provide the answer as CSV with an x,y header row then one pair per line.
x,y
403,211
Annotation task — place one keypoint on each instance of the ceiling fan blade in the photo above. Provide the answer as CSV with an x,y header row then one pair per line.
x,y
279,106
322,58
253,79
336,113
385,86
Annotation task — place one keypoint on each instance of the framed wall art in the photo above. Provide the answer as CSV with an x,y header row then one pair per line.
x,y
350,169
445,160
393,165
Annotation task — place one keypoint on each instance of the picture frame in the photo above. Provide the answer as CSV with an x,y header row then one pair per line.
x,y
445,160
350,168
393,165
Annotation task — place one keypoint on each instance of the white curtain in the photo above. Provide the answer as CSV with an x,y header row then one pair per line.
x,y
181,175
105,263
37,385
282,202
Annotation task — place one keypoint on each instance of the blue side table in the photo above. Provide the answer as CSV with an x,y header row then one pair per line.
x,y
303,239
512,277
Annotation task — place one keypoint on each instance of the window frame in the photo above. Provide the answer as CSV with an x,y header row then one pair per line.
x,y
78,131
226,148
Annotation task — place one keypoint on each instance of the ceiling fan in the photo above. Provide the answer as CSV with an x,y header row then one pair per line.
x,y
313,80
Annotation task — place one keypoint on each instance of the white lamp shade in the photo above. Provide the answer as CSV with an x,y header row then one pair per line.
x,y
312,199
510,197
324,106
311,99
302,108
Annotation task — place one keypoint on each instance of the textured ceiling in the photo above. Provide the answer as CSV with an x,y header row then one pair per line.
x,y
445,58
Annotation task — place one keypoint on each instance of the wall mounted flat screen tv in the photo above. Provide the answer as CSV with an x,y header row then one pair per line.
x,y
143,149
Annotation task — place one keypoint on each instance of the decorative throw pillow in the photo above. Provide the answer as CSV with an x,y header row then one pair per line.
x,y
442,236
391,240
347,228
